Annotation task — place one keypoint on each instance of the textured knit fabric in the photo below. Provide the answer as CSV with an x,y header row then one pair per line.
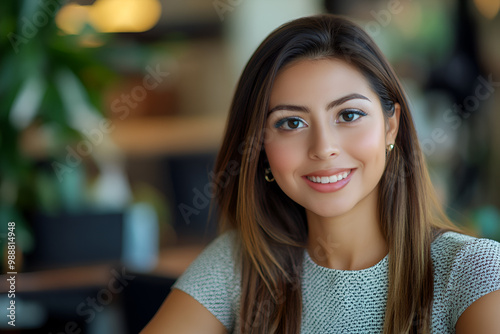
x,y
342,301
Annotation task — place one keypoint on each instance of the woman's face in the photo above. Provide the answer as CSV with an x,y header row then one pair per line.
x,y
326,136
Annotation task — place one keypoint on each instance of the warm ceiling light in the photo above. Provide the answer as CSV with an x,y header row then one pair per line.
x,y
72,18
124,15
488,8
110,16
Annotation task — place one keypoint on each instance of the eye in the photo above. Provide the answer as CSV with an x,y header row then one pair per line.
x,y
290,123
350,115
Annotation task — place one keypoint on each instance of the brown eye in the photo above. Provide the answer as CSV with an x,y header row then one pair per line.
x,y
290,124
293,123
348,116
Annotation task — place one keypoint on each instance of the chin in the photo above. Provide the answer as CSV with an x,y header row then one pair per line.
x,y
331,211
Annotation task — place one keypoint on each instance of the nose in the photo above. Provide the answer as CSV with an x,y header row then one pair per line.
x,y
323,143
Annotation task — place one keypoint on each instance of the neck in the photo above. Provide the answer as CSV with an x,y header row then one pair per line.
x,y
352,241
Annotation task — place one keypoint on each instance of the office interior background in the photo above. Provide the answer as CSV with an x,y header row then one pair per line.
x,y
112,112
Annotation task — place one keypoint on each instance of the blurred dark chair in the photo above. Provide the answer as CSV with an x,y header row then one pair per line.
x,y
142,298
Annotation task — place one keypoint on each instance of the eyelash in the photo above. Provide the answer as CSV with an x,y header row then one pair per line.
x,y
283,121
350,111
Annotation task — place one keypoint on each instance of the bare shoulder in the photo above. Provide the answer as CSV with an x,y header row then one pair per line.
x,y
482,316
182,314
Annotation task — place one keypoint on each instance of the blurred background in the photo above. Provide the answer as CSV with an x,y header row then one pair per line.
x,y
112,112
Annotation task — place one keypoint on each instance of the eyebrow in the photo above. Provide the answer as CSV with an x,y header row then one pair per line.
x,y
330,105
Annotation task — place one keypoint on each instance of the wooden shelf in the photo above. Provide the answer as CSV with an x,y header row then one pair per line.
x,y
169,135
144,136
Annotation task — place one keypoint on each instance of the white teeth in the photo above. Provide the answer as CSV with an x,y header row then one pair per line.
x,y
328,179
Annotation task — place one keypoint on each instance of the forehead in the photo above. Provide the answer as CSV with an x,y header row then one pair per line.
x,y
316,78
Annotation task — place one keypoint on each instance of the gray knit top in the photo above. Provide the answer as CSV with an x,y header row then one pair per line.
x,y
342,301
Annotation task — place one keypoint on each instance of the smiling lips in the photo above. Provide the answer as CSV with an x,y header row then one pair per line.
x,y
329,179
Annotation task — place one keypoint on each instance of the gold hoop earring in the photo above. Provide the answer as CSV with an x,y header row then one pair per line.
x,y
268,175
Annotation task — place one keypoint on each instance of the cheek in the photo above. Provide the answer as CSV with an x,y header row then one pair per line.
x,y
278,157
371,141
283,155
368,146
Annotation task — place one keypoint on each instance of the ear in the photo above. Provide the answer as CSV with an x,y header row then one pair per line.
x,y
393,125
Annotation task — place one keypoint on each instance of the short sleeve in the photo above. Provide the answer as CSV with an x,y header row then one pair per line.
x,y
475,273
212,279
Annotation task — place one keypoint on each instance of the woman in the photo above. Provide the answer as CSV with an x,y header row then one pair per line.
x,y
329,217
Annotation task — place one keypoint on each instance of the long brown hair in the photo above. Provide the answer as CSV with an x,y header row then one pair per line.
x,y
272,228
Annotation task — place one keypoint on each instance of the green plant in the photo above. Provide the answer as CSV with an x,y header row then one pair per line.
x,y
34,57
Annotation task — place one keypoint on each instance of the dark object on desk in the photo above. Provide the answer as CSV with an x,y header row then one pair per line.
x,y
70,240
192,185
